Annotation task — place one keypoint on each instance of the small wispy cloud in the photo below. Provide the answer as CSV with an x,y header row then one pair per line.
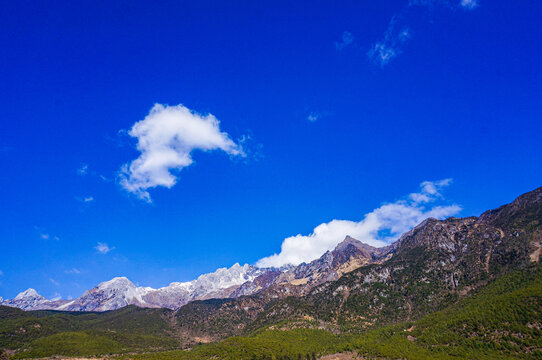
x,y
103,248
44,234
56,297
469,4
82,170
391,45
85,199
1,273
347,39
312,117
398,31
54,282
73,271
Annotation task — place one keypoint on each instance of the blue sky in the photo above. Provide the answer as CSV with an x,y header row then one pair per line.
x,y
322,110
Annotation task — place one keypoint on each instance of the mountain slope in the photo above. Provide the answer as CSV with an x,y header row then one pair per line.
x,y
502,321
433,266
45,333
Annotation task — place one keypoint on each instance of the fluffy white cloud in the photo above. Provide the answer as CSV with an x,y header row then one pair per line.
x,y
469,4
166,138
103,248
378,228
346,40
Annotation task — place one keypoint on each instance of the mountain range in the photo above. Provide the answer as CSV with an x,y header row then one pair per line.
x,y
438,267
119,292
223,283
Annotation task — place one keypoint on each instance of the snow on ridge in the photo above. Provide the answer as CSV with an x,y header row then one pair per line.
x,y
28,293
120,291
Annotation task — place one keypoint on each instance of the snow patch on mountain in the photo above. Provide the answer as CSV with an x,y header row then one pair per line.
x,y
119,292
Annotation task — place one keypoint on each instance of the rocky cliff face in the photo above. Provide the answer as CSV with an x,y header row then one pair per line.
x,y
299,280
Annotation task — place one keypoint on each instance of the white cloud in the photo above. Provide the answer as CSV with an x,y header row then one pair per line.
x,y
469,4
391,45
73,271
83,169
54,282
56,297
166,138
312,117
377,228
430,191
85,199
44,234
103,248
393,42
347,39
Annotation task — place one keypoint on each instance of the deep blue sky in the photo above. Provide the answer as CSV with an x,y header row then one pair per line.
x,y
461,99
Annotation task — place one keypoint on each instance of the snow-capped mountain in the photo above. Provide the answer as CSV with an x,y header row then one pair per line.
x,y
109,295
120,291
230,282
31,300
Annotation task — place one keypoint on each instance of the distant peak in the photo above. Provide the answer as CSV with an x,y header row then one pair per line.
x,y
117,281
29,293
348,240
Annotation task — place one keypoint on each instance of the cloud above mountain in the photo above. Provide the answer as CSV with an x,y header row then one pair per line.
x,y
166,139
377,228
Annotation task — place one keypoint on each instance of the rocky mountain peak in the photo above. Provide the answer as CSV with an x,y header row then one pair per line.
x,y
26,300
117,282
348,240
29,294
525,208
